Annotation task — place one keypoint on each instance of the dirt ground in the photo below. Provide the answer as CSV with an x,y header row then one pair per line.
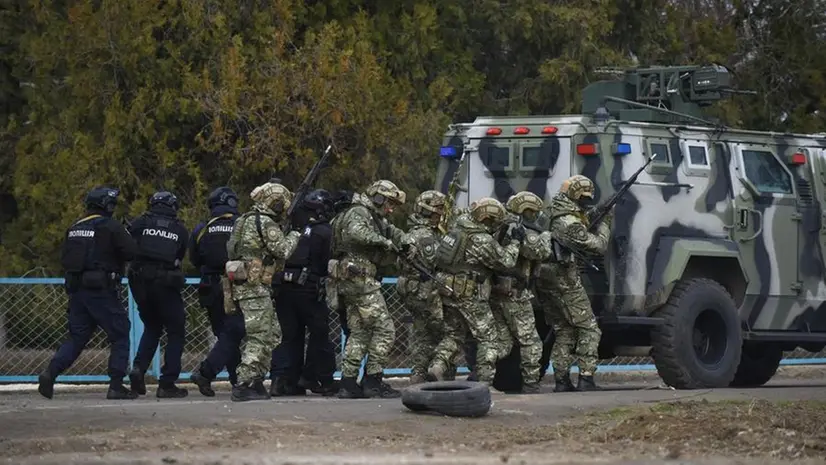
x,y
632,421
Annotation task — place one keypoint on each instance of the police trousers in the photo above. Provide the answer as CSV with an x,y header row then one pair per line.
x,y
229,329
300,312
160,308
88,310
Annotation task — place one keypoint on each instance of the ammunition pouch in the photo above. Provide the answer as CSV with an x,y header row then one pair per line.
x,y
260,271
349,269
331,294
98,280
236,271
465,286
230,307
503,285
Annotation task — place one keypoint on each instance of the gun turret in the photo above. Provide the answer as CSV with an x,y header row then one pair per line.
x,y
669,94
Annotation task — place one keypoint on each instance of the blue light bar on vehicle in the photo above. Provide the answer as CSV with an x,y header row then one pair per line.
x,y
621,148
447,152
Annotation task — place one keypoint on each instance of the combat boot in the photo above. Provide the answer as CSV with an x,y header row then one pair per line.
x,y
45,385
170,391
435,373
586,383
204,384
278,387
243,392
326,388
349,389
374,387
530,388
137,381
563,383
119,392
258,385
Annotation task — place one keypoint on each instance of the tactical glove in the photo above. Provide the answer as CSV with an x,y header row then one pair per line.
x,y
518,233
409,250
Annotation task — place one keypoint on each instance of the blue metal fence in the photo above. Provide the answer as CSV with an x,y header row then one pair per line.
x,y
33,324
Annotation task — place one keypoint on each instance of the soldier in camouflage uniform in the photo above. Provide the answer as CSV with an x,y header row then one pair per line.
x,y
421,296
511,296
362,237
560,285
465,261
256,250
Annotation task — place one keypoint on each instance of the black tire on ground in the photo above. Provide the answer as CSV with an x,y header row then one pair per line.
x,y
700,341
451,398
758,364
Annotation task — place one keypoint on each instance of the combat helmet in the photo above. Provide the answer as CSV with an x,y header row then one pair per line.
x,y
578,188
525,203
382,191
272,196
164,199
103,199
488,211
429,203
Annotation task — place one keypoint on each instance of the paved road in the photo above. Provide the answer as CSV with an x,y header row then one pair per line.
x,y
84,424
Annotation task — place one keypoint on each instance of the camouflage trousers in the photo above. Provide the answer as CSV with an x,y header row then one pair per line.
x,y
568,311
372,333
504,340
428,330
263,334
476,316
521,324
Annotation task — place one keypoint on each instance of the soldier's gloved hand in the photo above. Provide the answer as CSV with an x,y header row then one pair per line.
x,y
518,233
390,246
409,250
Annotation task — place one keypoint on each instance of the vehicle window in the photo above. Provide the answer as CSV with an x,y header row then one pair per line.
x,y
766,173
498,158
697,155
662,153
536,157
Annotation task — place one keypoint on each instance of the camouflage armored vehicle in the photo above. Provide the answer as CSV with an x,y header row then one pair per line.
x,y
716,264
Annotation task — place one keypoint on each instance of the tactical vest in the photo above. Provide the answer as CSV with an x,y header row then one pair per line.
x,y
450,253
212,242
158,241
301,256
79,253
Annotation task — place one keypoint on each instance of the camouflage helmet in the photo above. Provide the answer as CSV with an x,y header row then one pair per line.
x,y
488,209
578,186
386,189
524,200
429,202
273,196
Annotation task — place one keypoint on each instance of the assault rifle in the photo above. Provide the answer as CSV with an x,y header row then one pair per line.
x,y
420,268
305,186
601,211
450,198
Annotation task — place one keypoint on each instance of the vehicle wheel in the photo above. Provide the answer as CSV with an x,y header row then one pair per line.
x,y
451,398
758,364
700,341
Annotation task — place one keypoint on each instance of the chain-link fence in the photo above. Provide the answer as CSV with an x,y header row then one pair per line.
x,y
33,324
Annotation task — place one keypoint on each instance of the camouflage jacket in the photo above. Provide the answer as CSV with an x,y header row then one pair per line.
x,y
269,244
569,226
426,239
360,235
483,255
537,247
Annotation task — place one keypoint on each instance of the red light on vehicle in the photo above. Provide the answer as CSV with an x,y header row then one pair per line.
x,y
549,130
586,149
521,130
493,131
799,159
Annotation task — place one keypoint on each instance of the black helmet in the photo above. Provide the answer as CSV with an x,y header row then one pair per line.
x,y
102,198
317,200
222,196
164,198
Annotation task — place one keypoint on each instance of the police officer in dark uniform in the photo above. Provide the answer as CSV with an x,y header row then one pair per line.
x,y
94,254
299,307
208,252
156,281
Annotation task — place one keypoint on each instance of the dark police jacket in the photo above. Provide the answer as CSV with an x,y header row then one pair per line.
x,y
311,255
99,244
208,245
162,240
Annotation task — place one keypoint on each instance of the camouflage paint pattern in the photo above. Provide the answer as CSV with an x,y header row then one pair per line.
x,y
726,203
468,308
421,298
262,336
361,240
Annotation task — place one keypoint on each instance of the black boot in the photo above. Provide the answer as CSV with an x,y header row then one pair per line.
x,y
170,391
530,388
204,384
278,387
563,383
586,383
326,388
45,385
119,392
349,389
374,387
294,390
258,385
137,381
243,392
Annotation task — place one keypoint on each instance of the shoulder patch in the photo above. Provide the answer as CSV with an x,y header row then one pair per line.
x,y
273,233
533,238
